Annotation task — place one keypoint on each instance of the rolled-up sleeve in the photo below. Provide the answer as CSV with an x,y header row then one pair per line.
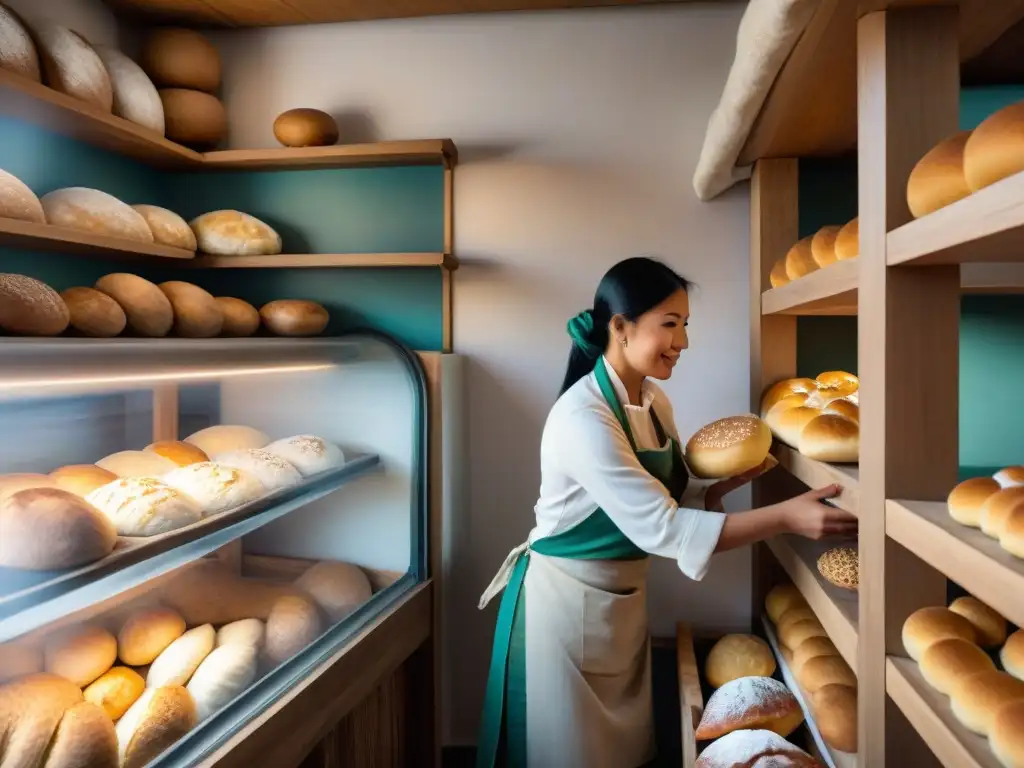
x,y
597,455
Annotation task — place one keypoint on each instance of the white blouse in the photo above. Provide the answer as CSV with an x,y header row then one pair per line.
x,y
587,462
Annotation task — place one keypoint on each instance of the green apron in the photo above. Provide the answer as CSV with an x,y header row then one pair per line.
x,y
596,538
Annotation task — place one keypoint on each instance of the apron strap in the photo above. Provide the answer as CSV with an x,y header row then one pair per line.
x,y
605,384
501,578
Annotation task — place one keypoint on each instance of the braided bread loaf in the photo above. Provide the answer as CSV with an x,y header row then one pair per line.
x,y
818,417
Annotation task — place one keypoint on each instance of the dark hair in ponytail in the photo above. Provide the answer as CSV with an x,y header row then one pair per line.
x,y
630,288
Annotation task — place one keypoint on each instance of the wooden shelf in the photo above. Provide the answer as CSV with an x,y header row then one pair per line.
x,y
817,474
311,260
929,713
966,555
828,291
417,152
835,608
44,237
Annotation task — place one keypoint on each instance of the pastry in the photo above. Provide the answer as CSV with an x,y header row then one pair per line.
x,y
144,506
750,703
736,656
307,453
728,447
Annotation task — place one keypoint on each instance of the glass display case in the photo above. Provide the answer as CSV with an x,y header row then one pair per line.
x,y
190,529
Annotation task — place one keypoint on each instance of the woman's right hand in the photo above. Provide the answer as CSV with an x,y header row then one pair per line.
x,y
807,516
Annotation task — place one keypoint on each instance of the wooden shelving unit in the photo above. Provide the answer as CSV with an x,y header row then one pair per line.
x,y
44,237
817,474
313,260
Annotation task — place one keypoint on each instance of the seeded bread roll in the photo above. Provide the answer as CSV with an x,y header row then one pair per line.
x,y
938,178
841,567
153,723
311,454
736,656
29,307
965,501
240,318
81,655
168,228
848,240
178,451
977,698
728,447
148,311
927,626
823,246
946,662
17,201
94,313
196,313
147,633
115,691
1011,656
750,703
144,506
18,53
990,626
780,599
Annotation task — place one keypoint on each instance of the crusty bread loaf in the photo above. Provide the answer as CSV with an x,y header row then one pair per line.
x,y
750,703
792,635
193,118
81,654
196,314
240,318
835,713
19,658
242,632
293,623
998,507
724,448
224,438
976,699
115,691
148,311
311,454
136,464
778,277
780,599
800,260
211,593
181,58
29,307
927,626
293,317
93,313
225,673
215,487
135,96
820,671
1011,655
736,656
91,210
177,451
144,506
823,245
147,633
338,588
20,481
233,233
840,566
740,749
49,529
273,472
1006,735
305,127
995,148
17,201
988,623
966,499
178,661
153,723
937,179
18,52
168,228
945,663
70,65
811,648
848,240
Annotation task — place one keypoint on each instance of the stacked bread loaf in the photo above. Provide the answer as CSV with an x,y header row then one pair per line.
x,y
993,504
822,249
818,417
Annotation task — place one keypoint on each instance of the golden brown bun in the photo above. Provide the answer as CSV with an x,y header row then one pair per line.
x,y
1006,736
736,656
1011,656
800,261
788,424
845,408
966,499
778,277
20,481
823,246
848,240
785,388
85,738
830,438
976,699
305,127
728,447
938,178
926,626
81,479
995,149
293,624
750,703
840,566
820,671
31,709
196,313
811,648
793,615
19,658
946,662
148,311
997,508
780,599
756,749
838,383
290,317
147,633
93,313
29,307
240,318
990,626
193,118
153,723
1008,477
115,691
181,58
178,451
796,633
81,655
835,712
1011,537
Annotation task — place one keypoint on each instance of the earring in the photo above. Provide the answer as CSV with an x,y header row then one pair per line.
x,y
625,341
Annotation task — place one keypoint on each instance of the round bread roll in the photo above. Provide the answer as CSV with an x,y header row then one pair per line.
x,y
168,228
338,588
1011,656
90,210
294,317
215,487
830,438
750,703
178,661
820,671
788,423
843,407
240,318
81,479
18,659
305,127
1011,537
989,625
46,529
136,464
21,481
756,748
242,632
835,712
800,260
966,499
181,58
135,96
148,311
996,509
1006,736
147,633
780,599
115,691
29,307
995,149
778,277
793,615
927,626
273,472
728,447
977,698
823,246
946,662
840,566
193,118
17,201
1009,477
811,648
158,718
93,313
177,451
196,314
18,52
783,389
144,506
736,656
938,178
224,438
834,384
292,625
848,240
70,65
800,631
223,675
81,655
233,233
308,453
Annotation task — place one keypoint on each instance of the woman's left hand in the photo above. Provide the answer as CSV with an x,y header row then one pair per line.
x,y
715,493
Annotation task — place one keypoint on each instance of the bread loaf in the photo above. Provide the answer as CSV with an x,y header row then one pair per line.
x,y
311,454
1009,477
17,201
196,314
215,487
780,599
85,738
240,318
153,723
18,53
820,671
945,663
223,675
778,277
726,447
1006,736
966,499
292,625
20,481
976,699
794,615
31,308
736,656
938,178
81,654
305,127
810,418
177,451
136,464
93,313
990,626
998,507
848,240
148,311
792,635
168,228
225,438
835,712
274,473
115,691
1011,656
830,438
831,385
181,58
845,408
338,588
840,567
739,749
927,626
47,529
178,661
18,659
193,118
995,149
811,648
781,390
800,260
750,703
91,210
823,246
233,233
211,593
292,317
1011,537
135,96
144,506
70,65
242,632
147,633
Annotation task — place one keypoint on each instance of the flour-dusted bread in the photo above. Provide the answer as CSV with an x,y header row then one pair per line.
x,y
240,317
149,312
242,632
81,654
338,588
988,623
233,233
728,447
740,749
17,201
94,314
147,633
273,472
19,658
193,118
70,65
927,626
136,464
153,723
178,661
750,703
177,451
215,487
224,438
294,317
18,52
292,625
225,673
94,211
115,691
181,58
780,599
45,529
736,656
307,453
135,96
29,307
196,313
945,663
168,228
144,506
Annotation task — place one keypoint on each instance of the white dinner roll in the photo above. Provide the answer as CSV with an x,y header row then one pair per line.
x,y
967,498
1009,477
946,662
977,698
81,654
17,201
937,179
91,210
168,228
18,52
136,464
224,438
147,633
70,65
308,453
225,673
144,506
926,626
178,661
233,233
292,625
1006,736
988,623
157,719
135,96
19,658
338,588
215,487
1011,655
273,472
241,632
728,447
830,438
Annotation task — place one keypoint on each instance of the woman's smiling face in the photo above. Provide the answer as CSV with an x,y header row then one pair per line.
x,y
655,340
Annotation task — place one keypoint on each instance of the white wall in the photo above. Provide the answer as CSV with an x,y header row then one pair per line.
x,y
578,135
